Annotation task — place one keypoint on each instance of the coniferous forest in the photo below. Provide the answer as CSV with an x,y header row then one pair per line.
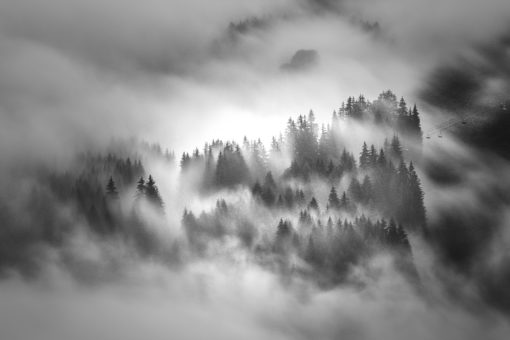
x,y
325,210
263,169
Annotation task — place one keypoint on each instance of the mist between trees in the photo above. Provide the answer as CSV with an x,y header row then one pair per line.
x,y
320,204
325,208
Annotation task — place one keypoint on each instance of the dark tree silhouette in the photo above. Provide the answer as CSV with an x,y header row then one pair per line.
x,y
313,205
111,189
152,194
333,200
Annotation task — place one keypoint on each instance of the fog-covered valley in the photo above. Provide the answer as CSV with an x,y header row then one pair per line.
x,y
277,169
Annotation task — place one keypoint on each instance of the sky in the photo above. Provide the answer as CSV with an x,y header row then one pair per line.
x,y
76,73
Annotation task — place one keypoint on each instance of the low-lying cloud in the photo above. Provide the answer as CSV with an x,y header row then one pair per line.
x,y
74,75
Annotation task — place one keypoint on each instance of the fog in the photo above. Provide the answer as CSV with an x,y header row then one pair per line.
x,y
75,76
231,298
162,69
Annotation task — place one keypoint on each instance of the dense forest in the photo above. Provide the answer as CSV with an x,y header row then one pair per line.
x,y
314,207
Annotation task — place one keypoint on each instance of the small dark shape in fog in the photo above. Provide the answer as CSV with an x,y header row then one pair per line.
x,y
301,60
323,5
246,26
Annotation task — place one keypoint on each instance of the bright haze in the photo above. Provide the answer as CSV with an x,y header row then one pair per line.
x,y
75,72
94,82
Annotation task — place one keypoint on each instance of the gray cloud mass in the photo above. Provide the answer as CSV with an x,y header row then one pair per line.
x,y
76,74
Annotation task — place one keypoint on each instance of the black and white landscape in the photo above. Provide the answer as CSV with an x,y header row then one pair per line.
x,y
268,169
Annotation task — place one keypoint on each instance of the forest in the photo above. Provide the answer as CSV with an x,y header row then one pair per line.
x,y
263,169
316,214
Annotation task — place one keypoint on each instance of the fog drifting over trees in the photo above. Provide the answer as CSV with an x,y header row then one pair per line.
x,y
292,169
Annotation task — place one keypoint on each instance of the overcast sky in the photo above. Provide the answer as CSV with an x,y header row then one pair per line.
x,y
75,72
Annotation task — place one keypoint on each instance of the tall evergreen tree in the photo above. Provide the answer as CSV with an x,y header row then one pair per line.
x,y
152,193
355,190
333,200
416,205
416,124
140,188
396,149
373,156
344,202
283,236
402,107
364,158
313,205
111,189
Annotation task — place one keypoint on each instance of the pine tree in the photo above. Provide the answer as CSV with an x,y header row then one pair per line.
x,y
324,144
269,181
416,124
140,188
111,189
401,190
283,236
209,169
349,106
275,147
355,190
283,229
402,107
231,168
364,158
381,160
313,205
373,156
333,200
152,193
366,189
185,161
347,162
396,149
344,202
416,205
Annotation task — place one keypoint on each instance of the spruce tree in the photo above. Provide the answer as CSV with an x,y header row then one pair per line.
x,y
152,193
333,200
140,188
283,236
372,156
355,190
381,160
111,189
269,181
344,202
364,158
313,205
416,205
396,149
402,107
416,124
